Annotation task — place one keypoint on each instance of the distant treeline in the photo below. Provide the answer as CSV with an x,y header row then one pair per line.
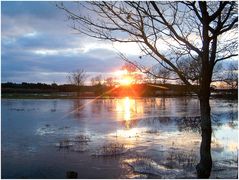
x,y
146,89
41,87
140,89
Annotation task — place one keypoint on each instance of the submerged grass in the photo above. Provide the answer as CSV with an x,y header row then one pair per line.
x,y
81,139
111,149
64,144
78,143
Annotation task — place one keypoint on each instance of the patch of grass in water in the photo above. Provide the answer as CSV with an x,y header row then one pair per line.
x,y
111,149
151,131
180,159
76,144
64,144
81,138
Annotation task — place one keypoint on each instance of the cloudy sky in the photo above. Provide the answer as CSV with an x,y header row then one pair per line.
x,y
38,45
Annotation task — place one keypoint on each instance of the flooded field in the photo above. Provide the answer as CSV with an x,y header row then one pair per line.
x,y
114,138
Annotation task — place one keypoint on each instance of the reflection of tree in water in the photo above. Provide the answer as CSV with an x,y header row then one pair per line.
x,y
216,120
156,104
183,123
151,102
129,124
180,159
233,123
233,116
54,106
189,124
193,123
230,118
77,108
156,120
190,107
96,107
182,106
163,104
108,105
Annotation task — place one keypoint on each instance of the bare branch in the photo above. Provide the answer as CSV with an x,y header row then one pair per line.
x,y
226,57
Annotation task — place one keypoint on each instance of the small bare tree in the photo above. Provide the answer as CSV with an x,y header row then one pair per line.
x,y
110,82
161,72
231,76
77,77
97,80
92,80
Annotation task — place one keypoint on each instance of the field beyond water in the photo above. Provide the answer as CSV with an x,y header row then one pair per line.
x,y
114,138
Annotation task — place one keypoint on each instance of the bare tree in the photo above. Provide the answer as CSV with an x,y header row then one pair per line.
x,y
231,76
204,31
110,82
163,73
93,83
138,78
77,77
97,80
227,76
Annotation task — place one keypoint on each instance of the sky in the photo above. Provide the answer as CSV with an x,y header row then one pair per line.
x,y
38,45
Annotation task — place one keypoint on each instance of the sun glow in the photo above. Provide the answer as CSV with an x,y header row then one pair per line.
x,y
121,72
126,81
123,77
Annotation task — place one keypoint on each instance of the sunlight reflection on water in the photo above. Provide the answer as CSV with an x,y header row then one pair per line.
x,y
128,109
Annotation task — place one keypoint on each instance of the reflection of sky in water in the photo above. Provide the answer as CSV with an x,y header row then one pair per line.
x,y
150,125
225,142
134,112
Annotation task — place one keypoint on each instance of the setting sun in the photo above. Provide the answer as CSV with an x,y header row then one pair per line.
x,y
126,81
124,77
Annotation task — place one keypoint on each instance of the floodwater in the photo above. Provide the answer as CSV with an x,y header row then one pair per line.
x,y
114,138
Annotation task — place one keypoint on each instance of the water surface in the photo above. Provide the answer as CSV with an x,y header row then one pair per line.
x,y
155,137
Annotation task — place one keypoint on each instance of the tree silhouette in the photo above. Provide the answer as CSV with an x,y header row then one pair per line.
x,y
199,30
97,80
231,76
110,82
77,78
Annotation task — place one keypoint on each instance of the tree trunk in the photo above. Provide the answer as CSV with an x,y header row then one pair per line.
x,y
205,165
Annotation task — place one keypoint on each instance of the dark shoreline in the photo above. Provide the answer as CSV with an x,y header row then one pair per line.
x,y
57,96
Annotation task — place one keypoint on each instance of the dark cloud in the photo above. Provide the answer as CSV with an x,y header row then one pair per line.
x,y
42,40
38,45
